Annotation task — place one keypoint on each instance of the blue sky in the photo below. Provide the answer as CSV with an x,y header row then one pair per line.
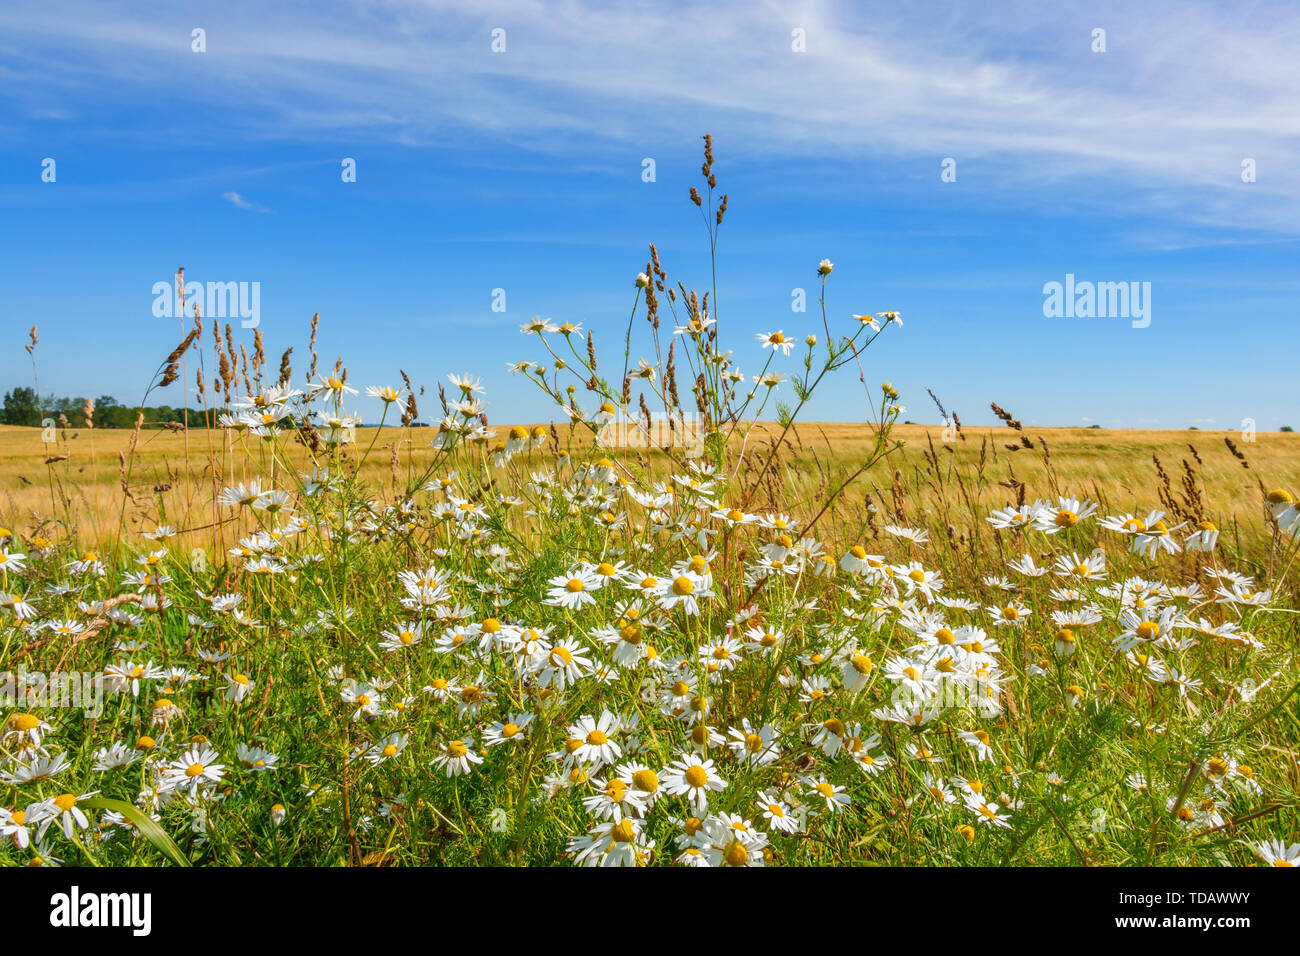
x,y
521,170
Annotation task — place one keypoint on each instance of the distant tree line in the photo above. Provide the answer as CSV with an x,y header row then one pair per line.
x,y
23,407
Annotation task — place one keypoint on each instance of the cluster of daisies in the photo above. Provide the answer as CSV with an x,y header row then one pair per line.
x,y
666,676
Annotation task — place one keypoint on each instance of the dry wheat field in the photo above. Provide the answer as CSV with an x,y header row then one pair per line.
x,y
293,638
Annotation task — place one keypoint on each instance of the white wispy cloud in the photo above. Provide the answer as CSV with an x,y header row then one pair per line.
x,y
1014,92
242,203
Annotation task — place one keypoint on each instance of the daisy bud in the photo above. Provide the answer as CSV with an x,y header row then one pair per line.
x,y
824,268
278,814
642,280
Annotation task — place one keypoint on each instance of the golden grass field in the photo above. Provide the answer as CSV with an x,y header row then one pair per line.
x,y
1115,466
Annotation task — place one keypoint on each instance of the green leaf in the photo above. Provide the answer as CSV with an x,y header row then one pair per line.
x,y
145,824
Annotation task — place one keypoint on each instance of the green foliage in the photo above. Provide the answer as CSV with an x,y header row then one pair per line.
x,y
22,407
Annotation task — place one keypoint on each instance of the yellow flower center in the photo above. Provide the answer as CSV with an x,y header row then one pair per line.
x,y
616,790
623,832
65,802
